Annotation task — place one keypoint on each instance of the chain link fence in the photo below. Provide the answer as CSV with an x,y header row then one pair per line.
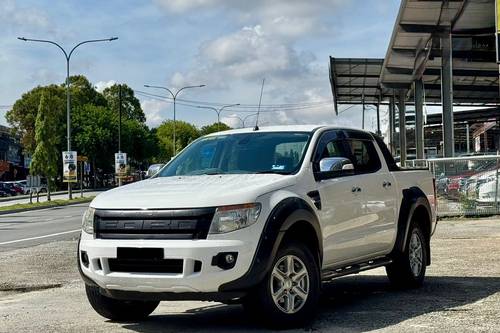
x,y
466,186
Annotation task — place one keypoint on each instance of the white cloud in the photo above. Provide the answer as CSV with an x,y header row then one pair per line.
x,y
12,13
285,17
153,111
267,46
101,85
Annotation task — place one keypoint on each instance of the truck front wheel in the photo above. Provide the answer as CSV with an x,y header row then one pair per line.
x,y
119,310
288,295
408,267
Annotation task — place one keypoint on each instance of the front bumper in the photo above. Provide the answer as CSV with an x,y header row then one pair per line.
x,y
207,280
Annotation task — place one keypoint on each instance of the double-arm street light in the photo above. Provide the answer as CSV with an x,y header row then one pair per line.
x,y
218,111
67,55
242,119
174,97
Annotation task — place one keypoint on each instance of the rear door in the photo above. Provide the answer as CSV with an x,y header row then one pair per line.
x,y
378,225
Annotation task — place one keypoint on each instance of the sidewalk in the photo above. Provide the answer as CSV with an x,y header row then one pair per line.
x,y
76,194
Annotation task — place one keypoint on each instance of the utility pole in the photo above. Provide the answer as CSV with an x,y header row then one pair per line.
x,y
67,55
120,128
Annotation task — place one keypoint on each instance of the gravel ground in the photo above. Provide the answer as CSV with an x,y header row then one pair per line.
x,y
40,291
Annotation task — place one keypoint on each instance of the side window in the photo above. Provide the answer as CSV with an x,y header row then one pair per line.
x,y
363,156
333,149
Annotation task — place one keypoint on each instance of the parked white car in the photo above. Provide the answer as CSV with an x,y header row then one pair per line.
x,y
261,217
488,192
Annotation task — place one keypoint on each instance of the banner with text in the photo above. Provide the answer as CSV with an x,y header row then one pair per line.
x,y
70,173
121,164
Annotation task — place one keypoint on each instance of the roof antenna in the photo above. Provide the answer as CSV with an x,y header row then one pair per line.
x,y
256,128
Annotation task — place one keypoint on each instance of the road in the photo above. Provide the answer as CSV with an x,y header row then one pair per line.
x,y
40,226
41,291
15,200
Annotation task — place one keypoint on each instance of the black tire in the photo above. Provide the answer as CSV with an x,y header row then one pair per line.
x,y
260,303
403,273
119,310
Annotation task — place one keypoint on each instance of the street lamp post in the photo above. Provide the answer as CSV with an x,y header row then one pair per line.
x,y
174,97
218,111
68,106
250,115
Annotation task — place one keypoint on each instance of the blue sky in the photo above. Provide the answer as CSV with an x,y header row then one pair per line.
x,y
227,45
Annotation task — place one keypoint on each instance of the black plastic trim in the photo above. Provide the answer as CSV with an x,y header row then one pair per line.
x,y
413,198
284,215
170,296
192,223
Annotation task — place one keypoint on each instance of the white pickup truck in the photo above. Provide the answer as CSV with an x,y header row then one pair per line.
x,y
258,216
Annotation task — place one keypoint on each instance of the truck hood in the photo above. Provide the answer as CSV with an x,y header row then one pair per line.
x,y
191,191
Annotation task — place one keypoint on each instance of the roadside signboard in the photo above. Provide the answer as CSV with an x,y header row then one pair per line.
x,y
86,168
497,29
33,181
120,164
70,171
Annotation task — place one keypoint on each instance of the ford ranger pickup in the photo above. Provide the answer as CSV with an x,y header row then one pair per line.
x,y
261,217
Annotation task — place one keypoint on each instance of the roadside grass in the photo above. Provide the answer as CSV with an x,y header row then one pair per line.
x,y
45,204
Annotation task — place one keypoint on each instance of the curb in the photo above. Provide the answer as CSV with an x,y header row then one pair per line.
x,y
12,211
26,196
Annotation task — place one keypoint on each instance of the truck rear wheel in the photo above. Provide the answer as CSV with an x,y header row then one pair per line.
x,y
119,310
408,268
288,295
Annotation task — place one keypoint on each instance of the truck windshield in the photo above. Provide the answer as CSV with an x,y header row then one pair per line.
x,y
259,152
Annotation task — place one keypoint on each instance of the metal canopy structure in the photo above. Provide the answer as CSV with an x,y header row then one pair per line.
x,y
354,80
416,49
440,52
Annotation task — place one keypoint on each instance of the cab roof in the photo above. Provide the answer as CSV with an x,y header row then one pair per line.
x,y
283,128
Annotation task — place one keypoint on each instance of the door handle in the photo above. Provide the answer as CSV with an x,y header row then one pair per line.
x,y
356,189
386,184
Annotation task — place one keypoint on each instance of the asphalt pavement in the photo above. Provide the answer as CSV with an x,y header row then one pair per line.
x,y
41,291
36,227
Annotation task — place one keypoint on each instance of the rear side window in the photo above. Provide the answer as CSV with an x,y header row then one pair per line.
x,y
389,159
363,155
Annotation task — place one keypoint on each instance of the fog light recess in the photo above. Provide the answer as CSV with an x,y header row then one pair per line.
x,y
84,258
225,260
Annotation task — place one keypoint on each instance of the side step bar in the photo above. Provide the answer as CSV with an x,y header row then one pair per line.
x,y
355,268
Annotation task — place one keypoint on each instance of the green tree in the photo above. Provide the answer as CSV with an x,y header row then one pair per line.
x,y
24,112
185,134
83,92
95,134
131,106
45,157
215,127
139,143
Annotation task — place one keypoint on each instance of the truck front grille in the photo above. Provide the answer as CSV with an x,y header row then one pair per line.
x,y
153,224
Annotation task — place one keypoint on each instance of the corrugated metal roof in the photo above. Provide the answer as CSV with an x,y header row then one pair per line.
x,y
415,52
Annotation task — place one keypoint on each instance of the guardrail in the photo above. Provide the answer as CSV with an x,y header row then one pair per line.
x,y
465,186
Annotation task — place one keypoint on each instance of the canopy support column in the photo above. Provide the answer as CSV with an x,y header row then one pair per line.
x,y
392,109
447,95
419,118
402,126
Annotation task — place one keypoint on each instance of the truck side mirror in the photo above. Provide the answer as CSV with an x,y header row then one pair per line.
x,y
330,167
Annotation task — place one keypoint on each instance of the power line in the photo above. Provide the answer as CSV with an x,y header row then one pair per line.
x,y
256,106
195,104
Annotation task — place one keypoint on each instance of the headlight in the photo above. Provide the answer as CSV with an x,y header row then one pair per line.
x,y
88,221
230,218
